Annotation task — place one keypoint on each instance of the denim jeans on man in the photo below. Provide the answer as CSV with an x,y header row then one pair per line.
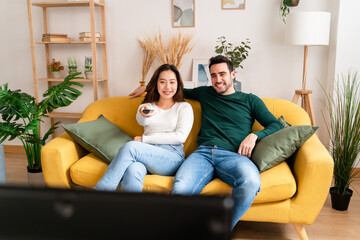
x,y
135,159
236,170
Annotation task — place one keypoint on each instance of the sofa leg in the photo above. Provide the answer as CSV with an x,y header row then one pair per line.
x,y
300,229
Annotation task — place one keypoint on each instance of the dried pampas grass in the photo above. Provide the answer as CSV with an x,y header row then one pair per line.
x,y
149,56
177,47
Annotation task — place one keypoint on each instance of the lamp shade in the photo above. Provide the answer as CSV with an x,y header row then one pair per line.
x,y
308,28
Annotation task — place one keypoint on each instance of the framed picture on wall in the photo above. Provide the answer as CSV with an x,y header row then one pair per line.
x,y
201,74
183,13
232,4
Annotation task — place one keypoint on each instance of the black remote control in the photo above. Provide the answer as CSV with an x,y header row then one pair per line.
x,y
146,111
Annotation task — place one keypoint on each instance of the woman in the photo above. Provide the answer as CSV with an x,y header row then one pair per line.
x,y
167,121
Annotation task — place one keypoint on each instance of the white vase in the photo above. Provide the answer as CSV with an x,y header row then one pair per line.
x,y
35,178
89,75
56,74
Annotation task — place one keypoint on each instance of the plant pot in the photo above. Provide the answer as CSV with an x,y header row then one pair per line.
x,y
294,3
237,85
338,201
89,75
35,177
56,74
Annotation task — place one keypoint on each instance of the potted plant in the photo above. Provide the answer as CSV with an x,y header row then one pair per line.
x,y
237,54
88,67
72,65
284,8
344,132
55,68
21,116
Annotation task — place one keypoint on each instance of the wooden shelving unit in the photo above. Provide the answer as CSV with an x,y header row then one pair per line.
x,y
91,4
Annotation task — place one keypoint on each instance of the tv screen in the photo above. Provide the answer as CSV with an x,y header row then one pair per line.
x,y
47,213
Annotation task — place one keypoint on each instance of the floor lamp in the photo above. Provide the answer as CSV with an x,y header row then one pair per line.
x,y
307,29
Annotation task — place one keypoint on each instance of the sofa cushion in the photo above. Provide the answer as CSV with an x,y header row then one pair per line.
x,y
87,171
100,137
277,147
277,183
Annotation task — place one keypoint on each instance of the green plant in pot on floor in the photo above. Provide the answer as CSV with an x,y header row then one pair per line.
x,y
237,54
344,131
21,116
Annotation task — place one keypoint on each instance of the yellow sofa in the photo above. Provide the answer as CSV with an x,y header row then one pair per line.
x,y
292,192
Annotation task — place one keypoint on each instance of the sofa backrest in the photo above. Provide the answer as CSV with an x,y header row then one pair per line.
x,y
121,110
292,113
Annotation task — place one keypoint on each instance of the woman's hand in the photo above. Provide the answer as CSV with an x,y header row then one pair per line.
x,y
146,107
138,138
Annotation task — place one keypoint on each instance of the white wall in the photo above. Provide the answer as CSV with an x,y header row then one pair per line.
x,y
273,69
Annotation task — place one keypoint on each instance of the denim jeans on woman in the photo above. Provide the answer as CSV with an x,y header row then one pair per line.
x,y
236,170
135,159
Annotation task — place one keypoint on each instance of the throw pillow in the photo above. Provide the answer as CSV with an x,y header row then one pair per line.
x,y
277,147
283,122
100,137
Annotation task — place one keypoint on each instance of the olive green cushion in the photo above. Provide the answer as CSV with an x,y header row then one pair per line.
x,y
100,137
277,147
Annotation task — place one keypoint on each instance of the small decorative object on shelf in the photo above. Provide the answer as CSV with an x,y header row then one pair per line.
x,y
86,36
88,68
72,65
236,54
55,38
55,68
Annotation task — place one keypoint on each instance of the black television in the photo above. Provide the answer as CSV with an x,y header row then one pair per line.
x,y
50,213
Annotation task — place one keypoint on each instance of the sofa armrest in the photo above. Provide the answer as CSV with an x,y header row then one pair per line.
x,y
312,169
57,156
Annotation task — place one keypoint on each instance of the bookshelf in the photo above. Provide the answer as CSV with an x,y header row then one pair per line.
x,y
93,43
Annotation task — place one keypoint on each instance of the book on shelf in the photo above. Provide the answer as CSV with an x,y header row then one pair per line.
x,y
56,39
88,34
48,35
88,39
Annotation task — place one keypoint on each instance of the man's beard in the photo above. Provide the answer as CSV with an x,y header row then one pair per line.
x,y
226,88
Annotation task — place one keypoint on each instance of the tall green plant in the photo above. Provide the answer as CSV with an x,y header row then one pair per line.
x,y
344,129
21,115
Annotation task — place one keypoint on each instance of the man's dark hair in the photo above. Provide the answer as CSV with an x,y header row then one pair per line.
x,y
221,59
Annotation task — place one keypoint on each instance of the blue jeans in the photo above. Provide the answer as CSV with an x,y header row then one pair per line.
x,y
135,159
208,162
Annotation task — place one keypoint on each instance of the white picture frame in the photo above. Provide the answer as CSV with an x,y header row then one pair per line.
x,y
232,4
201,73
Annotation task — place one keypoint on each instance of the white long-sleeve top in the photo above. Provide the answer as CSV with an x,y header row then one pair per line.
x,y
171,126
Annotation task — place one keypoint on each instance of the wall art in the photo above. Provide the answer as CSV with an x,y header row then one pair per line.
x,y
183,12
232,4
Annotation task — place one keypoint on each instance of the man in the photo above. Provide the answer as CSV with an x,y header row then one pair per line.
x,y
225,139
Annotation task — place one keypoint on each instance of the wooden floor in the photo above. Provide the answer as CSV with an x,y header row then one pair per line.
x,y
330,224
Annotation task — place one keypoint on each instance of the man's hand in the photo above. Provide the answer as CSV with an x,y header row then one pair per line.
x,y
138,138
137,92
247,145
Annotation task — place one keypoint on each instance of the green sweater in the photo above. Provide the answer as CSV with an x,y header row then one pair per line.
x,y
226,120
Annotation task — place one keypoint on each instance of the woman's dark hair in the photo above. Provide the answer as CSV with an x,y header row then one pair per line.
x,y
151,89
221,59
